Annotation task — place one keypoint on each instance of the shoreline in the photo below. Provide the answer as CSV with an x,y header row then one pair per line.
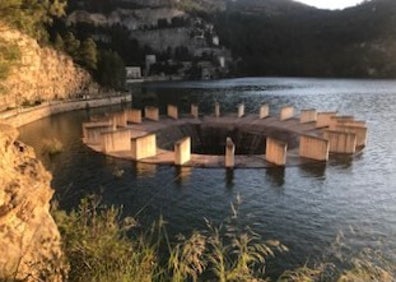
x,y
22,116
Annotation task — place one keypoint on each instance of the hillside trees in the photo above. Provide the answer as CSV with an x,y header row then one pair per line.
x,y
32,16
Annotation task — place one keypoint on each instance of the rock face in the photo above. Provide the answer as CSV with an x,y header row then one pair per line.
x,y
30,245
42,74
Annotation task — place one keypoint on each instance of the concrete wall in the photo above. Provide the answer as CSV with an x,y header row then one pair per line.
x,y
264,111
308,115
172,112
241,110
358,123
91,124
314,148
114,141
324,119
341,142
286,113
144,147
120,119
229,153
194,111
92,131
20,117
134,115
335,120
151,113
361,133
183,151
276,151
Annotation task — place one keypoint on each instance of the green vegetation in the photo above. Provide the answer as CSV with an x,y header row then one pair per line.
x,y
283,38
32,16
101,246
9,57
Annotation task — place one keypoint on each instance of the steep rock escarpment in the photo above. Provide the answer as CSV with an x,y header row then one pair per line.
x,y
30,244
41,74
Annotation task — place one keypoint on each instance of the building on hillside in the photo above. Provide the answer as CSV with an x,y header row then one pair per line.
x,y
150,60
133,74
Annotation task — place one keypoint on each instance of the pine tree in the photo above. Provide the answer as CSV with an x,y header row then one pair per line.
x,y
59,44
88,54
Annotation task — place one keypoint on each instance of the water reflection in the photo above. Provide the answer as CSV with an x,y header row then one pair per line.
x,y
316,170
229,178
276,175
182,174
343,161
143,170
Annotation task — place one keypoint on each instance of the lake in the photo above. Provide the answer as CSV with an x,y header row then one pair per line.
x,y
305,207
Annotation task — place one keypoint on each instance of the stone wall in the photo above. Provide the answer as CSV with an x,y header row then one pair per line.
x,y
29,239
42,73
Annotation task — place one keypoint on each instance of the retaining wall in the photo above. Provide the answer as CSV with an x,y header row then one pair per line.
x,y
20,117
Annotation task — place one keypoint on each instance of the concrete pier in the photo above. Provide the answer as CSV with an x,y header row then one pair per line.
x,y
336,120
341,142
324,119
194,111
276,151
120,119
264,111
151,113
241,110
94,124
172,111
314,148
134,116
359,131
308,115
217,109
286,112
92,131
143,146
183,151
229,153
114,141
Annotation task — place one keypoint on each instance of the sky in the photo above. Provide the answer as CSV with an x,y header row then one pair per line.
x,y
331,4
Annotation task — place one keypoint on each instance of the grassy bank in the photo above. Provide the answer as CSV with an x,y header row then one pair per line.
x,y
101,246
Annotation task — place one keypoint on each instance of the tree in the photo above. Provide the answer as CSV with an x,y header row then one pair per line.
x,y
72,45
111,70
59,44
32,16
88,54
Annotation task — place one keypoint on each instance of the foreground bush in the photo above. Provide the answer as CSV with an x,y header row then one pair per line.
x,y
100,246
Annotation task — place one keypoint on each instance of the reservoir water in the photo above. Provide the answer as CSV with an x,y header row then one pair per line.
x,y
305,207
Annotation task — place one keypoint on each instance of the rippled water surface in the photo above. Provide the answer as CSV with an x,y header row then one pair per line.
x,y
303,207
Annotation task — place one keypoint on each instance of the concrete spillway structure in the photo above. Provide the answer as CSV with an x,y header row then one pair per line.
x,y
237,140
134,116
183,151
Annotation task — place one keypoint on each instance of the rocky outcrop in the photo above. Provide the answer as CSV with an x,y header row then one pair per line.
x,y
30,245
42,73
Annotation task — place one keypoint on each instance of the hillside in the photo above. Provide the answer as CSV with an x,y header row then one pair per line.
x,y
177,33
299,40
38,73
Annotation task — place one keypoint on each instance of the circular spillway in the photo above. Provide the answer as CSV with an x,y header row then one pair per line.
x,y
247,141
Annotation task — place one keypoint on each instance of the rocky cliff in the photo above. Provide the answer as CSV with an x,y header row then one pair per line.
x,y
29,239
41,73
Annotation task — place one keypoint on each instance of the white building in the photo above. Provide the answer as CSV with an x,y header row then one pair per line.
x,y
133,72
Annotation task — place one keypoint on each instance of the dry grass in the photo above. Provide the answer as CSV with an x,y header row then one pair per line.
x,y
102,247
